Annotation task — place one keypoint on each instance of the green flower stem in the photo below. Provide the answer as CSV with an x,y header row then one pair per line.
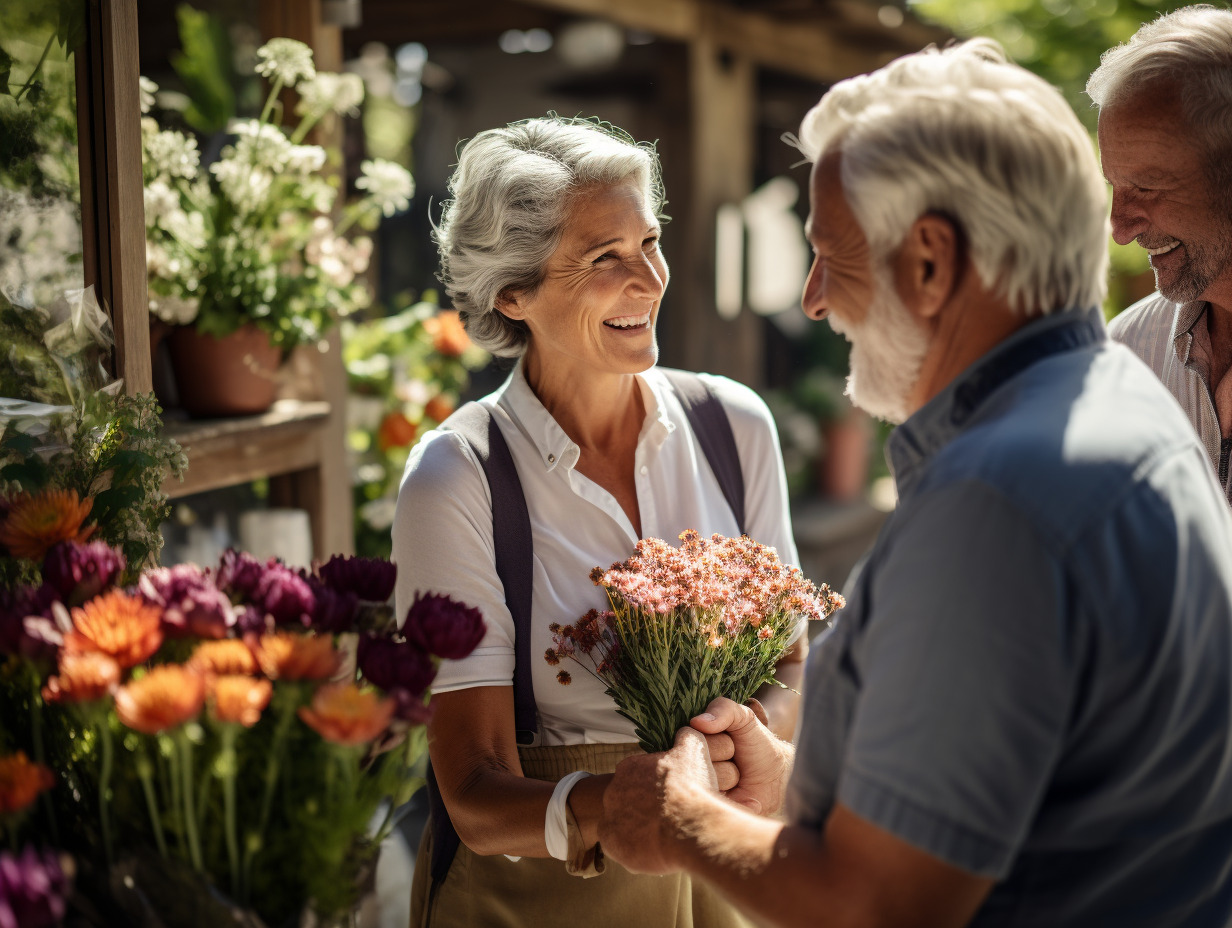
x,y
177,801
190,816
146,773
252,845
269,101
228,733
104,785
40,756
305,126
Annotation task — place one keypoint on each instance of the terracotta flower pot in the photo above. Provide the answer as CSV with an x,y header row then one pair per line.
x,y
843,469
232,376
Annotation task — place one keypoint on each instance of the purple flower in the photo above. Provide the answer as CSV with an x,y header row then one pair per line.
x,y
33,889
410,707
284,595
27,627
333,611
368,578
443,627
395,665
192,604
81,571
239,574
253,619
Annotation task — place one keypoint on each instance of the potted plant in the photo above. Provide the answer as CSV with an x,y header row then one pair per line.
x,y
846,432
247,256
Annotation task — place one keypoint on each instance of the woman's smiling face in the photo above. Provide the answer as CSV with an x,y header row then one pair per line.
x,y
595,310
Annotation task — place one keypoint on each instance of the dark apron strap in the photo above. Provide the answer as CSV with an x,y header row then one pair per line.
x,y
514,562
710,424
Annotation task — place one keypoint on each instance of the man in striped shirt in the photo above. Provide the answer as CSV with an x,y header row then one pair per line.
x,y
1165,138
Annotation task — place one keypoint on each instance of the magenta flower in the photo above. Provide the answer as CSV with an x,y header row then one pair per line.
x,y
368,578
192,604
33,889
333,610
285,596
410,707
443,627
395,665
82,571
239,574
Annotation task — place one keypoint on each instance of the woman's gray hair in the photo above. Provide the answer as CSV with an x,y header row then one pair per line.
x,y
967,134
511,192
1191,48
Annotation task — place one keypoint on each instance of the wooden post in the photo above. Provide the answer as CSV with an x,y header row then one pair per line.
x,y
122,271
722,89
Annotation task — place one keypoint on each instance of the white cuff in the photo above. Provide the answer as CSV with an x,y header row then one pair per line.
x,y
556,823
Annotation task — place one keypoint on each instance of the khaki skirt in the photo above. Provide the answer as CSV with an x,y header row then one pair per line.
x,y
495,892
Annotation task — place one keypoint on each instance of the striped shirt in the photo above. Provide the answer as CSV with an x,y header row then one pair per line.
x,y
1162,334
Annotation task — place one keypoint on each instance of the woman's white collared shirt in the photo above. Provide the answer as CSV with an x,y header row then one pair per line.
x,y
442,532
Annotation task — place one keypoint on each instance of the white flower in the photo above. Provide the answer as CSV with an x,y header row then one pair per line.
x,y
172,154
379,513
160,201
337,259
176,310
259,144
319,194
287,60
305,159
245,186
389,185
147,91
341,93
186,228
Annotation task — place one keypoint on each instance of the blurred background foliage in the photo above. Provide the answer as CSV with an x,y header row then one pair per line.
x,y
1062,41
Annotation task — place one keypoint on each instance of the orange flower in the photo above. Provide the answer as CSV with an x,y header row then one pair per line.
x,y
395,431
237,698
345,714
438,408
286,656
123,626
84,676
448,335
165,697
21,781
36,522
223,657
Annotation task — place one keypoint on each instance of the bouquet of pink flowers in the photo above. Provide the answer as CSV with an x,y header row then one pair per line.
x,y
686,625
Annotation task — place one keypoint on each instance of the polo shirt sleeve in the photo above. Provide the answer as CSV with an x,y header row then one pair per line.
x,y
966,680
442,543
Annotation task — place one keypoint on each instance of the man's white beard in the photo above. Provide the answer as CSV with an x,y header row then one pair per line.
x,y
887,352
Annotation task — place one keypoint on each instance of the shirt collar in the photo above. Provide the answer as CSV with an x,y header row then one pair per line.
x,y
554,446
934,425
1187,316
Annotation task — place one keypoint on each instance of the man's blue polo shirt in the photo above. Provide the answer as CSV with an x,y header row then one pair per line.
x,y
1033,677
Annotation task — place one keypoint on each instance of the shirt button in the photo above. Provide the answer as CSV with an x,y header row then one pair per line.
x,y
551,458
645,470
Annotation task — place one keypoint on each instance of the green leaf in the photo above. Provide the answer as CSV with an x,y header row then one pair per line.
x,y
204,65
32,474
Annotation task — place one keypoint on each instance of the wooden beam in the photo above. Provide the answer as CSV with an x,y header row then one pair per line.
x,y
722,89
802,49
124,234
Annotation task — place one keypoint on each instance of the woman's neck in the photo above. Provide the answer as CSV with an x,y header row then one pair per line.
x,y
600,412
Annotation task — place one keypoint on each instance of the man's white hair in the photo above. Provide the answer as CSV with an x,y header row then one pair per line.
x,y
1190,48
967,134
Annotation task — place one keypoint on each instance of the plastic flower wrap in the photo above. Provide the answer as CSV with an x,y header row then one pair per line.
x,y
688,624
252,237
245,722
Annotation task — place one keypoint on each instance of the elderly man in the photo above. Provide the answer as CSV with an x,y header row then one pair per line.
x,y
1022,716
1165,138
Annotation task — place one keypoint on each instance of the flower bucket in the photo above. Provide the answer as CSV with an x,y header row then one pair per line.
x,y
236,375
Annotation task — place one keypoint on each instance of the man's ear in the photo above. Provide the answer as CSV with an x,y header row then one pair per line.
x,y
929,264
509,304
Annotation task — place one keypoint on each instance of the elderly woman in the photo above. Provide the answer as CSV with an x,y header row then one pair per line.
x,y
550,250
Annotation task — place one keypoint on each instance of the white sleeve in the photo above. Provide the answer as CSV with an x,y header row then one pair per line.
x,y
442,543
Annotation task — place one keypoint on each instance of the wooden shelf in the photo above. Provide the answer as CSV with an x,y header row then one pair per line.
x,y
224,452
